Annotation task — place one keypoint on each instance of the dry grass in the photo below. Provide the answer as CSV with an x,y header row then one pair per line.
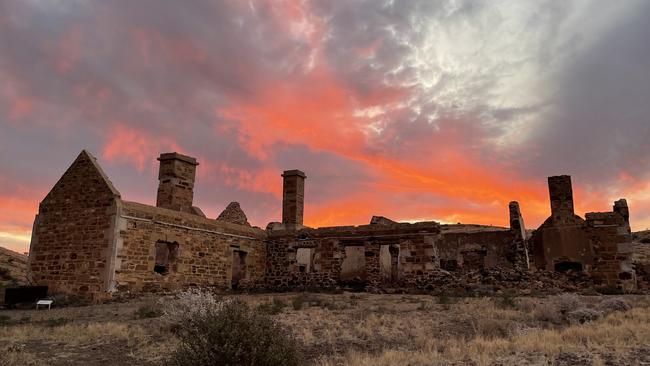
x,y
618,333
364,329
74,333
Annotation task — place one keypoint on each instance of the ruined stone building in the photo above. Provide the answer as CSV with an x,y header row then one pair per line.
x,y
600,245
89,242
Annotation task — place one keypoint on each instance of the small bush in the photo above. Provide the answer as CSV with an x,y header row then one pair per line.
x,y
298,302
187,305
527,305
445,300
272,307
147,312
507,300
614,304
62,300
57,322
610,290
566,302
4,320
583,315
548,313
645,240
490,328
5,274
232,334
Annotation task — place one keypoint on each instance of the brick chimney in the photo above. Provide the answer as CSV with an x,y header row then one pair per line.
x,y
176,176
561,193
293,197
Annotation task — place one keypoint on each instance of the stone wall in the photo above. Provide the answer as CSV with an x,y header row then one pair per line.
x,y
601,245
73,234
204,251
612,244
176,182
479,248
395,254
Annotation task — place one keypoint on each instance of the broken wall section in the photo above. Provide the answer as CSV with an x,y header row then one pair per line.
x,y
390,254
612,244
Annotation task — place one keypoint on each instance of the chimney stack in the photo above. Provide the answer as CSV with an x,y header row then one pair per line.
x,y
293,197
621,208
561,193
176,176
516,220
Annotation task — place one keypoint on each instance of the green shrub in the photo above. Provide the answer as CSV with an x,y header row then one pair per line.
x,y
57,322
445,300
232,334
147,312
507,300
272,307
298,302
4,320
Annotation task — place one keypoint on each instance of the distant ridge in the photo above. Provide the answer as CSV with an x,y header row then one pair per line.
x,y
13,268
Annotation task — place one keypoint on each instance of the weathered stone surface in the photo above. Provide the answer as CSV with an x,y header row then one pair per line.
x,y
73,233
206,251
380,220
234,214
567,242
293,198
88,242
176,188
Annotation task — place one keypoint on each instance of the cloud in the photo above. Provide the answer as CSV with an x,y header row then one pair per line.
x,y
412,109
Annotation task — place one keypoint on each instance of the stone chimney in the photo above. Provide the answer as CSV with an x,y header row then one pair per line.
x,y
293,197
176,176
621,208
561,193
516,220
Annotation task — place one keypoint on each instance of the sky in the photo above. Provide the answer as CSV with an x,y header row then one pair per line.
x,y
413,110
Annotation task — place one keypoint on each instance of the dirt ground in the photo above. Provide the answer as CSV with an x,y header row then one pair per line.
x,y
356,329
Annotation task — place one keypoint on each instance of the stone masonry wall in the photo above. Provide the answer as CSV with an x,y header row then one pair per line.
x,y
612,243
416,254
73,233
205,250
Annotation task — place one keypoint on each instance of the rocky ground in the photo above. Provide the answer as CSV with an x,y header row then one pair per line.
x,y
357,329
13,268
476,320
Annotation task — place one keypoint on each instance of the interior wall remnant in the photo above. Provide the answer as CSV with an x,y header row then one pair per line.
x,y
305,259
166,257
354,264
449,264
474,259
389,262
238,268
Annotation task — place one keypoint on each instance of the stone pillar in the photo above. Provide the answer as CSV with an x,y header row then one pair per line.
x,y
516,220
620,207
293,197
176,187
561,194
520,245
